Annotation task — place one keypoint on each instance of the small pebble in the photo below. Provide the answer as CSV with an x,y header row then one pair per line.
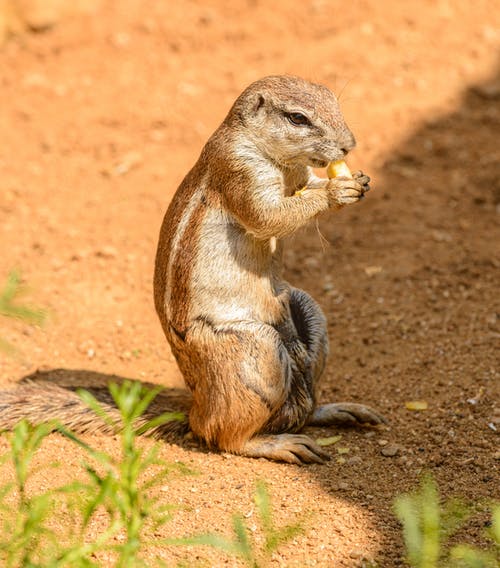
x,y
354,460
129,161
466,461
372,270
107,251
390,451
488,91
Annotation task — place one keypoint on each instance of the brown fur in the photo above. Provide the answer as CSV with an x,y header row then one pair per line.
x,y
51,396
250,347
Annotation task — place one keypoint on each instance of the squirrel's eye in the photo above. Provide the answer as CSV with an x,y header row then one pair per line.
x,y
297,119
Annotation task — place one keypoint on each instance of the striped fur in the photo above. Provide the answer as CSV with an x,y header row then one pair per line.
x,y
250,347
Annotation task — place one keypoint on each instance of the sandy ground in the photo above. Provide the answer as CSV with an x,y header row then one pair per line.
x,y
101,117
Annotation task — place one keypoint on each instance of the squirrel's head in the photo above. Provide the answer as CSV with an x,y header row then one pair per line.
x,y
293,121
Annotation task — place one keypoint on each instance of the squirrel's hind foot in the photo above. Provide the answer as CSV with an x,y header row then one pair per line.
x,y
345,413
290,448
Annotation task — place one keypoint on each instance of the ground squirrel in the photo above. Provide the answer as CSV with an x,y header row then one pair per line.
x,y
250,346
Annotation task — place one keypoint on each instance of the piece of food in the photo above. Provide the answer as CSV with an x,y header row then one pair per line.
x,y
338,169
333,170
416,405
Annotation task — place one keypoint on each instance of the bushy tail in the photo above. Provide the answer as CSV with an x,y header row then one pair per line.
x,y
41,401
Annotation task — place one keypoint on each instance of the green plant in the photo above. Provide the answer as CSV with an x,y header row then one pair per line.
x,y
121,489
11,308
117,486
242,544
427,526
24,529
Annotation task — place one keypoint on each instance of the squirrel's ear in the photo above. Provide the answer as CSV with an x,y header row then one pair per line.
x,y
259,103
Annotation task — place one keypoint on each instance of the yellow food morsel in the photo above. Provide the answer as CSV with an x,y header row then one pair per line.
x,y
338,169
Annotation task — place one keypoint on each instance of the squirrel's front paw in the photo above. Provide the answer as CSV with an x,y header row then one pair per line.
x,y
344,191
363,180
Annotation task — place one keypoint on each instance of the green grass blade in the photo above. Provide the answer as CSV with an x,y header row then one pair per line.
x,y
159,421
431,523
263,505
406,512
495,525
148,395
283,535
465,556
244,545
100,456
91,401
12,290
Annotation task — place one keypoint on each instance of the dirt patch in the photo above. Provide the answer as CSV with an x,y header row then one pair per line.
x,y
102,117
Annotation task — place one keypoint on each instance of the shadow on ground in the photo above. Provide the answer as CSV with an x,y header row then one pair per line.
x,y
63,403
410,288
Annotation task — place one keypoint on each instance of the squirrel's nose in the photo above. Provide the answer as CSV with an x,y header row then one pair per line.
x,y
347,144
